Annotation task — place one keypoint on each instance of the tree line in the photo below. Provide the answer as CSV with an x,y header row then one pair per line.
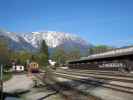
x,y
7,56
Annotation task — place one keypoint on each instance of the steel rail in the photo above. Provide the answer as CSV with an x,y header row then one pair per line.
x,y
106,85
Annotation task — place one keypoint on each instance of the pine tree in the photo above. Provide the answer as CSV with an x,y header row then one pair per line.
x,y
44,53
59,55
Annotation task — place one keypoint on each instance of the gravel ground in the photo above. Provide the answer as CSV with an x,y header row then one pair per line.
x,y
18,83
22,82
42,94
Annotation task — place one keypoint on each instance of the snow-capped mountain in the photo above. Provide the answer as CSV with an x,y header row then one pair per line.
x,y
53,39
31,41
10,35
15,42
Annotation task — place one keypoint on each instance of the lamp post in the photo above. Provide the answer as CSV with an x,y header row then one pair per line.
x,y
1,82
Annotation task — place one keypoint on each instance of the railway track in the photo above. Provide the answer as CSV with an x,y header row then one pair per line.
x,y
101,87
117,81
70,94
110,73
101,75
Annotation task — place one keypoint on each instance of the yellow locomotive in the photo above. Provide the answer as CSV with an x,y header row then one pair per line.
x,y
33,67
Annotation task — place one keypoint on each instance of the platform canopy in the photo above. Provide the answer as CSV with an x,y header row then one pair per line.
x,y
113,53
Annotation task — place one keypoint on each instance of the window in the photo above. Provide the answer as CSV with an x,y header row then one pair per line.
x,y
20,67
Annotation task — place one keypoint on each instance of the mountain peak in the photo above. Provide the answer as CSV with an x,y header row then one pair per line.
x,y
52,38
31,41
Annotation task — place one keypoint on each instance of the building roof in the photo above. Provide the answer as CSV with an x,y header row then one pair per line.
x,y
33,62
113,53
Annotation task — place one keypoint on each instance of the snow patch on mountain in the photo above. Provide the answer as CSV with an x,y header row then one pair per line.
x,y
13,36
10,35
15,41
53,39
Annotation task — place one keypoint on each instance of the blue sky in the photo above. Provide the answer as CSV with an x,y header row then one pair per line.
x,y
107,22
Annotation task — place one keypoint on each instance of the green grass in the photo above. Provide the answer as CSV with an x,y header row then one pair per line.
x,y
7,76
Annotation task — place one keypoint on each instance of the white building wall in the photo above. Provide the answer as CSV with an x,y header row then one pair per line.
x,y
18,68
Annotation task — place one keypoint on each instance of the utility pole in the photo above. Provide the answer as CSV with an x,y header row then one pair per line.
x,y
1,82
